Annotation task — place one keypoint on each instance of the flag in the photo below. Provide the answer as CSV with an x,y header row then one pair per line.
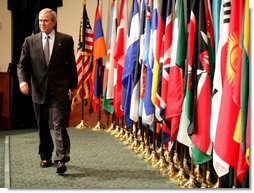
x,y
142,82
135,97
158,58
220,26
109,70
130,60
210,39
83,58
241,93
119,57
196,107
216,5
165,74
144,42
155,52
201,82
220,166
229,110
245,105
112,50
148,107
99,52
186,114
175,79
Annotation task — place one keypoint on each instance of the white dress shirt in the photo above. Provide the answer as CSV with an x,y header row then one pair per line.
x,y
51,41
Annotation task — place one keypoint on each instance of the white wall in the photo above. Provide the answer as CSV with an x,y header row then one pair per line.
x,y
5,36
70,13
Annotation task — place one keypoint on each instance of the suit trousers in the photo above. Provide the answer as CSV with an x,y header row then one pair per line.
x,y
54,114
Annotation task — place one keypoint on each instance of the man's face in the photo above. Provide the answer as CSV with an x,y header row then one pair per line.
x,y
45,23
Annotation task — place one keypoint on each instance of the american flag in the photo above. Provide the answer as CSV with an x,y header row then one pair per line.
x,y
83,58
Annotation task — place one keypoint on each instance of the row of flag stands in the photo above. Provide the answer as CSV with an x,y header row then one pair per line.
x,y
174,76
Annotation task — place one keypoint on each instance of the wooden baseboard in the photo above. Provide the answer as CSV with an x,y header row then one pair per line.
x,y
5,119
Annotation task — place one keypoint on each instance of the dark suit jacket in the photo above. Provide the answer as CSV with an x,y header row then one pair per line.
x,y
58,77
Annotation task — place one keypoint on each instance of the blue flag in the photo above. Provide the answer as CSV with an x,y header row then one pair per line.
x,y
130,60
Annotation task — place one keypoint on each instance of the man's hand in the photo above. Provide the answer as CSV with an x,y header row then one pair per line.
x,y
24,88
72,93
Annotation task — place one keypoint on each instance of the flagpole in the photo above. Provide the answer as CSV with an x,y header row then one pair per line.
x,y
141,147
83,91
161,163
192,182
208,176
181,176
130,138
134,144
235,180
99,125
204,183
147,152
81,125
171,167
153,159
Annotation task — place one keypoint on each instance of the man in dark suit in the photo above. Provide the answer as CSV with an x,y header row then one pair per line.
x,y
47,63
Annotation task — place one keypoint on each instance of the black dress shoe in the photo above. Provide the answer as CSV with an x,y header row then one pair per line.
x,y
61,168
64,160
46,163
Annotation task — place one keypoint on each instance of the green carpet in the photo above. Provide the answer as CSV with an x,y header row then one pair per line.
x,y
2,161
98,161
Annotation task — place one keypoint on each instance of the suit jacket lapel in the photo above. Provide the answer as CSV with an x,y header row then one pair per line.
x,y
57,44
38,39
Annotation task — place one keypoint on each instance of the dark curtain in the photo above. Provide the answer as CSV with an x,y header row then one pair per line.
x,y
24,23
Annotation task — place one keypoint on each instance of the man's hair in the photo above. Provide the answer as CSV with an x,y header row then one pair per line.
x,y
53,16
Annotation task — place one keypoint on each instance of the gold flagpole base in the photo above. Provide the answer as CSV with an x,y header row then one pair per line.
x,y
197,174
185,166
129,140
134,144
81,125
191,183
111,128
159,151
208,180
153,159
172,170
204,185
115,131
176,161
125,137
146,154
164,171
168,156
162,163
120,134
139,135
97,127
141,148
181,177
216,185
